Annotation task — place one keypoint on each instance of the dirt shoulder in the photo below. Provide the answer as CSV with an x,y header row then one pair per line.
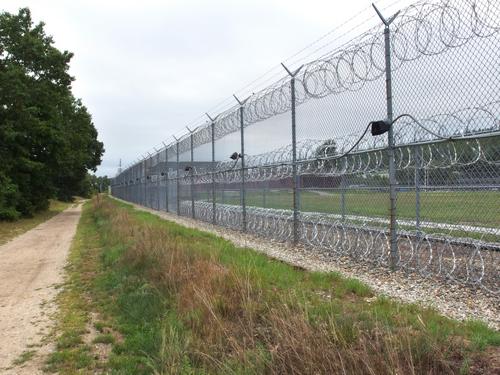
x,y
31,267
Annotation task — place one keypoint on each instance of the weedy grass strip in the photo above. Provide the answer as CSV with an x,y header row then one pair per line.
x,y
186,301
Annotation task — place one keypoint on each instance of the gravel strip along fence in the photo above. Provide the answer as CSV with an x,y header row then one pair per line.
x,y
449,299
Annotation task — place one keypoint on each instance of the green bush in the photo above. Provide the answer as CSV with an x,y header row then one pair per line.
x,y
9,197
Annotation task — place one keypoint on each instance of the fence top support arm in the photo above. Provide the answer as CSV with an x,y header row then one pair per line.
x,y
212,119
386,22
241,102
290,73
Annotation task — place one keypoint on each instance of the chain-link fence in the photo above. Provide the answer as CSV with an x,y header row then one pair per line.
x,y
386,150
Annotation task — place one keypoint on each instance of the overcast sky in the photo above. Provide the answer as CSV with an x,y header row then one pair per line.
x,y
147,69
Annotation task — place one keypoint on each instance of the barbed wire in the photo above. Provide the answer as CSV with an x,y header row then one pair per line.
x,y
423,29
465,261
360,154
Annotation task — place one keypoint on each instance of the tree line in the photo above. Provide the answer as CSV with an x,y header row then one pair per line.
x,y
48,142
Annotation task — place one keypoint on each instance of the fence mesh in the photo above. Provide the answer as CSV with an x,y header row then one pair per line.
x,y
300,161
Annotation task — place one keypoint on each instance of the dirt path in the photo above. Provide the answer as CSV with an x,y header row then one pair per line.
x,y
30,269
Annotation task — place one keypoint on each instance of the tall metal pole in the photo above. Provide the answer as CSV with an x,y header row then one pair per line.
x,y
191,171
342,196
144,172
392,164
135,192
138,191
243,187
157,181
150,183
166,178
295,177
243,183
418,166
158,190
212,128
177,180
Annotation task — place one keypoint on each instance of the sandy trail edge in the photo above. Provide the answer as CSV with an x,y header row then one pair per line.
x,y
31,266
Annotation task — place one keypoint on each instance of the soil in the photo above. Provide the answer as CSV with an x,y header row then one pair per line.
x,y
31,268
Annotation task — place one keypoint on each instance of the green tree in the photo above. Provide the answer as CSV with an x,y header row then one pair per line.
x,y
93,184
47,138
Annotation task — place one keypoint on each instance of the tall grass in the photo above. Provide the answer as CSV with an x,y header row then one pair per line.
x,y
222,309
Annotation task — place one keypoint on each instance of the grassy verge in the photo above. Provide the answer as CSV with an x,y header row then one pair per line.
x,y
11,229
75,303
187,302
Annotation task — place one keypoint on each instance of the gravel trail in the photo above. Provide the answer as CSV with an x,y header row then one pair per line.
x,y
450,299
31,267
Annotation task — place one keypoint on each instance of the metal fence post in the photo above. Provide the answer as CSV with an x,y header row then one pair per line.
x,y
166,177
158,191
242,157
145,184
157,174
390,150
418,166
342,196
135,190
212,128
295,177
149,202
191,172
177,179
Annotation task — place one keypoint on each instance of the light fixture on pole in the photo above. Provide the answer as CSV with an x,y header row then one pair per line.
x,y
380,127
235,156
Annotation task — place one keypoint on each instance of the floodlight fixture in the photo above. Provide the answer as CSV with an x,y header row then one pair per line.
x,y
235,156
380,127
